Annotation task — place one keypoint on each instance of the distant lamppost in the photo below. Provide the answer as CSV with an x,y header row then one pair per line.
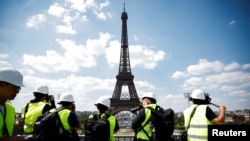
x,y
187,95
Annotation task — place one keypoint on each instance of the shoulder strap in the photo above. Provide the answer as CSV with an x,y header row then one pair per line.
x,y
106,116
142,126
99,116
191,116
25,110
58,118
5,130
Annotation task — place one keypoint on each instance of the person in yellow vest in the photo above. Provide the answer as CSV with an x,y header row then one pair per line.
x,y
41,103
68,116
144,132
202,116
11,81
102,104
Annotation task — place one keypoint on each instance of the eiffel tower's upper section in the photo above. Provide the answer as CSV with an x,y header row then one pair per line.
x,y
124,66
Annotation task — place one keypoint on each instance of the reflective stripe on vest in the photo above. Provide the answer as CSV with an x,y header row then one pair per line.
x,y
198,130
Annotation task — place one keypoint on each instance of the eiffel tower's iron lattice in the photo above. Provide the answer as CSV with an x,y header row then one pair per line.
x,y
124,96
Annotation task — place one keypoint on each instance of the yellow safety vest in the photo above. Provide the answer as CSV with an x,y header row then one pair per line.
x,y
64,116
112,122
198,129
34,111
9,120
148,127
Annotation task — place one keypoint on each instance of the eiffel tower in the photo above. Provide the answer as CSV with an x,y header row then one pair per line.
x,y
124,96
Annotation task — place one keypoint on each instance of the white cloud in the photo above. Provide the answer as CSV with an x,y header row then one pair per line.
x,y
204,67
231,66
136,38
102,15
84,18
74,56
211,77
67,18
105,4
113,53
80,5
228,77
3,56
178,74
246,66
97,46
4,64
67,29
34,21
143,87
144,57
140,56
192,82
240,93
232,22
56,10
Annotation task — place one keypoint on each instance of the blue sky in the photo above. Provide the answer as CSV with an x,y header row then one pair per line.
x,y
175,46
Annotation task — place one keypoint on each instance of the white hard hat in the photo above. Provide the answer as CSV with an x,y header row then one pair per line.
x,y
104,100
11,76
198,94
149,95
43,89
66,98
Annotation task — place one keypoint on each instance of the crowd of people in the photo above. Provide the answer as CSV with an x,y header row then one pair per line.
x,y
11,81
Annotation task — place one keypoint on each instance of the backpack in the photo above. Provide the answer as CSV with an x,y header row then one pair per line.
x,y
162,123
48,127
97,129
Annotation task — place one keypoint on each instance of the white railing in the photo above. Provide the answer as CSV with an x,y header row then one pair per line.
x,y
130,137
117,137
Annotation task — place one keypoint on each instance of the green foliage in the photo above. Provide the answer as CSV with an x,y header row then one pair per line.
x,y
84,118
238,123
179,122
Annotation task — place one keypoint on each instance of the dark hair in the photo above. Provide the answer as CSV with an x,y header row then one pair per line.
x,y
199,101
65,103
101,108
39,95
152,100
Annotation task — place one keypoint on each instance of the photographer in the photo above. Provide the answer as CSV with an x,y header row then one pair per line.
x,y
199,115
42,103
140,123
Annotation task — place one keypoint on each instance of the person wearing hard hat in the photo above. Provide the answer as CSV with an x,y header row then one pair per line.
x,y
67,115
102,104
11,81
199,115
147,100
36,107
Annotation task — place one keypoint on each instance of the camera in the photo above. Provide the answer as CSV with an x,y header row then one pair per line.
x,y
135,109
48,97
207,99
